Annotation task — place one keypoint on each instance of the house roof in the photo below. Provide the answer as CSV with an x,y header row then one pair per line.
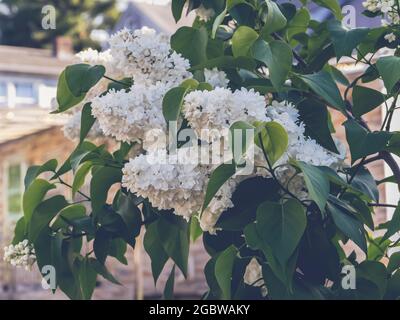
x,y
158,17
30,61
17,123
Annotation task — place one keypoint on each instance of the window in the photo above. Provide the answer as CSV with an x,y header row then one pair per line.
x,y
3,92
3,89
25,93
14,191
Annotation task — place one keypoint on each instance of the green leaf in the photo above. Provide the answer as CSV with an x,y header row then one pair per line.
x,y
323,84
394,262
102,180
65,97
191,43
172,103
241,138
102,244
102,270
125,206
43,214
87,278
34,195
374,272
248,195
80,176
315,116
20,231
242,41
220,18
87,121
174,236
69,213
195,229
365,183
345,41
274,19
152,245
177,7
349,225
224,269
168,293
277,56
217,179
363,143
34,171
365,100
317,183
393,225
117,249
332,5
281,226
298,24
389,69
82,77
274,140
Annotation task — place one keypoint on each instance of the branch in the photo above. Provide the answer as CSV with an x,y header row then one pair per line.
x,y
391,162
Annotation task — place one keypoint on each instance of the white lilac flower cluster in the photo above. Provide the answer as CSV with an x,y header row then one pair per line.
x,y
390,9
300,148
176,182
147,57
20,255
220,108
216,78
127,115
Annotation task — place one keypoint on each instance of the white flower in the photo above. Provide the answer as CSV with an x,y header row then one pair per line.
x,y
147,57
204,14
128,115
216,78
253,274
220,108
391,37
20,255
175,182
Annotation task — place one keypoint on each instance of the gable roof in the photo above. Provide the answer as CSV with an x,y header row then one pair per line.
x,y
30,61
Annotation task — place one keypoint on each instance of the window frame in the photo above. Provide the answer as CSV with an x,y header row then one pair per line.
x,y
8,163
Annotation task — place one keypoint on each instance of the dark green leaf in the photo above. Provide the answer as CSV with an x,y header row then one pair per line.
x,y
172,103
277,56
349,225
345,41
102,180
315,116
317,183
281,226
366,100
87,121
153,246
389,69
217,179
34,171
323,84
43,214
363,143
223,270
191,43
33,196
168,293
